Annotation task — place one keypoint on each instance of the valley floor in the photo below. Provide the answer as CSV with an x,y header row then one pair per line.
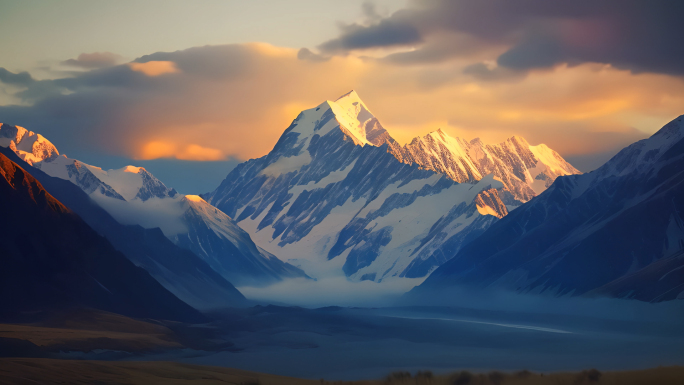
x,y
337,344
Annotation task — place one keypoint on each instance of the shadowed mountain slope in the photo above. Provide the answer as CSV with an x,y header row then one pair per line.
x,y
616,231
51,258
178,270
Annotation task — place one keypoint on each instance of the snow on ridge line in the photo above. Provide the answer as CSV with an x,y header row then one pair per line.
x,y
195,198
132,169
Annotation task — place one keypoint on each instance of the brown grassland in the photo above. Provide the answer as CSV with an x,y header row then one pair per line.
x,y
51,371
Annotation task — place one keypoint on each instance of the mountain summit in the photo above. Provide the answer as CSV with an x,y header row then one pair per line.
x,y
338,195
357,121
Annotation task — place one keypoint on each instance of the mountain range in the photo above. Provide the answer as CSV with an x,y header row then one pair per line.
x,y
133,196
616,231
338,195
180,271
51,259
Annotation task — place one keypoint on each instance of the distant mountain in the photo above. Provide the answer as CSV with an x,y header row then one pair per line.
x,y
180,271
616,231
337,194
133,196
51,259
124,184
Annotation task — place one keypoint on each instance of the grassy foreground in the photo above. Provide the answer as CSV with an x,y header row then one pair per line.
x,y
51,371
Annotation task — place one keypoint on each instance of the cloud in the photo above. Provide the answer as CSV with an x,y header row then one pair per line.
x,y
163,149
21,78
94,60
25,88
154,68
234,101
306,54
331,291
488,72
164,213
639,35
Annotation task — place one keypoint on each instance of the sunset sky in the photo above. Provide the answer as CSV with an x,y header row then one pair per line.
x,y
188,89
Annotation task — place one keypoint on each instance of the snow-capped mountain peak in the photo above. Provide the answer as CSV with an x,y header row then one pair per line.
x,y
347,113
30,147
126,183
353,115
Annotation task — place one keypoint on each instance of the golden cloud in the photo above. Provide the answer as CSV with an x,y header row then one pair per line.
x,y
164,149
155,68
236,100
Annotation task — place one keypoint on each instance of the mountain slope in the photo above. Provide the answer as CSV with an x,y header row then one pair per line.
x,y
616,231
133,196
178,270
51,258
227,248
330,200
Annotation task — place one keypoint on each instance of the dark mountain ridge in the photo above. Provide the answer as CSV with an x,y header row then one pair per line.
x,y
616,231
177,269
52,259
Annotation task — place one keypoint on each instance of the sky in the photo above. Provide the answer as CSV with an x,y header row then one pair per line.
x,y
190,89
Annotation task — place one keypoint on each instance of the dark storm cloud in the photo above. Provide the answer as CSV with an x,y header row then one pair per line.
x,y
94,60
637,35
19,79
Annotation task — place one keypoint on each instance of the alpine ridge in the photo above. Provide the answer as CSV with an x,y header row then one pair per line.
x,y
525,170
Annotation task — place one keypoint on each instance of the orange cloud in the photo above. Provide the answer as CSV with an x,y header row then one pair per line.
x,y
164,149
568,108
236,101
155,68
197,152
